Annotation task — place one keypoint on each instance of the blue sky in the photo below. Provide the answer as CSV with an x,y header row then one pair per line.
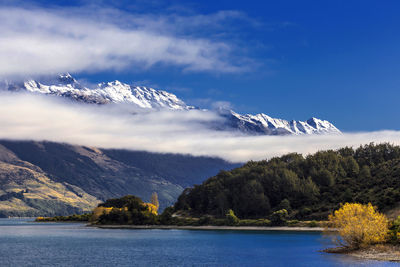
x,y
335,60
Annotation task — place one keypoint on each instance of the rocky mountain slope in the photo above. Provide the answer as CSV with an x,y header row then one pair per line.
x,y
148,98
111,92
44,178
265,125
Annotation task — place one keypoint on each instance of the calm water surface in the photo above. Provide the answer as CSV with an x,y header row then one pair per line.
x,y
25,243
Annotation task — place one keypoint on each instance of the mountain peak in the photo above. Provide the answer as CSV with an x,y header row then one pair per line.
x,y
266,125
66,78
107,92
116,83
313,121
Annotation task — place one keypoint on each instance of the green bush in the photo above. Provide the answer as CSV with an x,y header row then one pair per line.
x,y
285,204
394,231
205,220
218,222
292,222
166,217
231,218
258,222
313,224
71,218
279,218
304,212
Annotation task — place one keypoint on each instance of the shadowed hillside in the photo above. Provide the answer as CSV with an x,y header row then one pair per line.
x,y
73,179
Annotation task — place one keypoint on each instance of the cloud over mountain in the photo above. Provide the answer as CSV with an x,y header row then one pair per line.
x,y
35,117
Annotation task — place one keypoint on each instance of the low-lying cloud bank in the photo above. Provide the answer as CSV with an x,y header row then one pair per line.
x,y
31,117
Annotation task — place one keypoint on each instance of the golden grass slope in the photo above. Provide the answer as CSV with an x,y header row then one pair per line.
x,y
27,191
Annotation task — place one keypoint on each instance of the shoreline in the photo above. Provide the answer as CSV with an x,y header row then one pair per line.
x,y
380,252
211,227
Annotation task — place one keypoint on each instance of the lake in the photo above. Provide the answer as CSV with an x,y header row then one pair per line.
x,y
25,243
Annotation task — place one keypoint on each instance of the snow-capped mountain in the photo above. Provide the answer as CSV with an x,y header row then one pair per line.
x,y
265,125
148,98
112,92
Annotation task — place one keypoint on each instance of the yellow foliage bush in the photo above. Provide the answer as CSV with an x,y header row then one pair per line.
x,y
359,225
151,207
98,211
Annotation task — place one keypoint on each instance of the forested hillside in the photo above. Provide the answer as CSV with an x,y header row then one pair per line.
x,y
308,187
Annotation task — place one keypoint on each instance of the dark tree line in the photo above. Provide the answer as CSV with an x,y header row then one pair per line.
x,y
307,187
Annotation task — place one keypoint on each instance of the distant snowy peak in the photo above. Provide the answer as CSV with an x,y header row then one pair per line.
x,y
111,92
266,125
66,79
144,97
322,126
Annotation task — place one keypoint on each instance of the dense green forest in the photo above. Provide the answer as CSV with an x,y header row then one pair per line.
x,y
298,187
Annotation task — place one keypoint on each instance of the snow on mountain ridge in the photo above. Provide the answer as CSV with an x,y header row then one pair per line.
x,y
110,92
264,124
144,97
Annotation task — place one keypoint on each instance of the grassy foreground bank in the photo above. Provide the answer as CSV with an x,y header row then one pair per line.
x,y
381,252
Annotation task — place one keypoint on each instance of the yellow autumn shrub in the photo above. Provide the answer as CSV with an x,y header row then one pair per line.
x,y
154,200
359,225
152,208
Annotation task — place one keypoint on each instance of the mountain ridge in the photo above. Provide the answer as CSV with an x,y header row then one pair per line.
x,y
65,85
47,178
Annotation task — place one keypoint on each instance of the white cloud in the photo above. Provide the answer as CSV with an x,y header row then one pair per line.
x,y
39,41
48,118
222,104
